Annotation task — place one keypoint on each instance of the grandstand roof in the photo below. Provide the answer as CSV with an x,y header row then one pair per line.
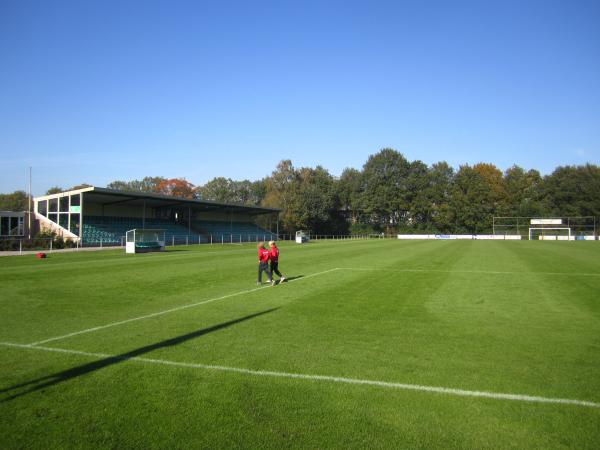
x,y
112,196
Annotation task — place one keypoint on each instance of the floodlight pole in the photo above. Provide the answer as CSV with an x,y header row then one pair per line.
x,y
81,217
29,210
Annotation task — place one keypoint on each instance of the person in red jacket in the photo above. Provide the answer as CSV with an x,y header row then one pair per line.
x,y
263,264
274,257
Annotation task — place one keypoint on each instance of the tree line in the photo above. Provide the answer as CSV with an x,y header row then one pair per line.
x,y
390,194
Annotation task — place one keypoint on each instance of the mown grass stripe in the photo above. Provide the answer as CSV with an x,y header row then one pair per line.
x,y
324,378
482,272
167,311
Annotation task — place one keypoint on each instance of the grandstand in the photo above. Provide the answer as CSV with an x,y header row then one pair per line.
x,y
99,216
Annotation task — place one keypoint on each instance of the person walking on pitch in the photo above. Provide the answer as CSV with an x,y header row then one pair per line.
x,y
274,257
263,264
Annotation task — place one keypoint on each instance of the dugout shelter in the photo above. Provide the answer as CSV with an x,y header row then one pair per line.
x,y
145,240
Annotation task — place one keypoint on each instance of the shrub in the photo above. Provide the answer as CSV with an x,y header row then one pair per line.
x,y
59,242
364,228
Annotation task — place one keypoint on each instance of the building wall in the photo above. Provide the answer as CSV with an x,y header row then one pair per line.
x,y
96,209
222,216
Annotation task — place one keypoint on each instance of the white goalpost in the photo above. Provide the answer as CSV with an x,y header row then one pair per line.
x,y
552,237
552,225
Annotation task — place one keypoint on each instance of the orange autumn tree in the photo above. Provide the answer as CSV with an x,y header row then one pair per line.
x,y
176,187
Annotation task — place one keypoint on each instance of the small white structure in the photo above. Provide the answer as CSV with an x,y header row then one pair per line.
x,y
144,241
301,237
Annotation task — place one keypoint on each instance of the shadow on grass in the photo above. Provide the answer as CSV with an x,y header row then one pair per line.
x,y
292,278
59,377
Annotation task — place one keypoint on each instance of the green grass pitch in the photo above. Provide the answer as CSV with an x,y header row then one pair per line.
x,y
372,344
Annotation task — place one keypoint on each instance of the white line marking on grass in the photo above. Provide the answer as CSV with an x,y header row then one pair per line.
x,y
482,272
325,378
167,311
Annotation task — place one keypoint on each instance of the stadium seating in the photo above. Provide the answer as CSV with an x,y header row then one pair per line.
x,y
110,230
233,231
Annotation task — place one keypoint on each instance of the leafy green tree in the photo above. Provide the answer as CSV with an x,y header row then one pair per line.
x,y
242,191
315,202
219,189
429,191
80,186
280,193
523,190
249,192
492,177
349,192
439,192
573,191
416,196
226,190
54,190
472,201
385,190
257,192
16,201
307,197
146,184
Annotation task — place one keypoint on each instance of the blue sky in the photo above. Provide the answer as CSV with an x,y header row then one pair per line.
x,y
97,91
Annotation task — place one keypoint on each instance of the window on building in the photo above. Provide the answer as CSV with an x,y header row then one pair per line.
x,y
75,221
64,204
4,226
11,226
63,220
75,200
14,226
43,207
